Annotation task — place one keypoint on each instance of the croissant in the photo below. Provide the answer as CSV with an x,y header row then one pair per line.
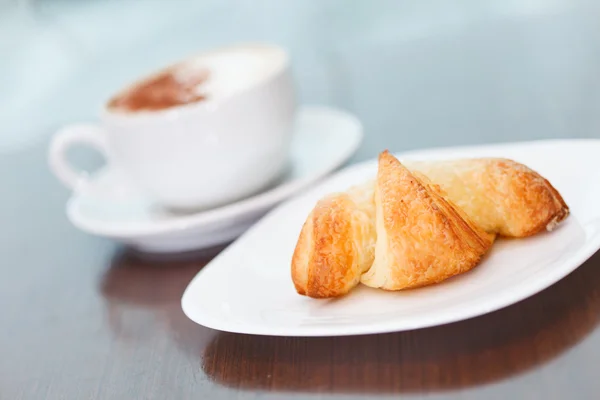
x,y
422,237
338,240
374,232
500,195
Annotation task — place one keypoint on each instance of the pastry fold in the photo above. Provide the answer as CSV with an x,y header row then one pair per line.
x,y
422,237
336,244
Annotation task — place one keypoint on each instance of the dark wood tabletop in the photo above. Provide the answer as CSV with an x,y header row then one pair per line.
x,y
83,318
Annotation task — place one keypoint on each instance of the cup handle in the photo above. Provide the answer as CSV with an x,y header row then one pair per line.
x,y
80,134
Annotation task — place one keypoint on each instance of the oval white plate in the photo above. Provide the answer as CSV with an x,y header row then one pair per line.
x,y
248,289
109,206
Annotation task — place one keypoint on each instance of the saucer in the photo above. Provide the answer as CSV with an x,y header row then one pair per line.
x,y
110,206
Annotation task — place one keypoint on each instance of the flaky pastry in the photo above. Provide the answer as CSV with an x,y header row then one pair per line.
x,y
418,223
422,238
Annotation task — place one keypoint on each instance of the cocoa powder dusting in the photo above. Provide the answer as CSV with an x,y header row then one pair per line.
x,y
163,91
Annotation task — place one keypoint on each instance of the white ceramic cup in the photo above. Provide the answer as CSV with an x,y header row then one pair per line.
x,y
201,154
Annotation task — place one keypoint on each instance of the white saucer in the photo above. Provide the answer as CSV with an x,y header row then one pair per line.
x,y
109,206
247,288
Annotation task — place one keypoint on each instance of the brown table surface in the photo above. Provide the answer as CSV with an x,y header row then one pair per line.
x,y
84,319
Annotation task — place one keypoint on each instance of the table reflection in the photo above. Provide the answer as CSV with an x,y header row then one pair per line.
x,y
478,351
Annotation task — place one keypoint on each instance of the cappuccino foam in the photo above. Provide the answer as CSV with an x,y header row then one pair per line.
x,y
209,77
231,71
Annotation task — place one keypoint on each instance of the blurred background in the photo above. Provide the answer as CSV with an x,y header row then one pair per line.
x,y
418,73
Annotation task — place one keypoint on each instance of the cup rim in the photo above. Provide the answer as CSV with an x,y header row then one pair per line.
x,y
177,110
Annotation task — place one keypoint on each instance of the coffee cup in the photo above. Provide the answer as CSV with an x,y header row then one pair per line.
x,y
205,131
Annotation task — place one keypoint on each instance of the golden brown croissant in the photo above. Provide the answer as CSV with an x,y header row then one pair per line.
x,y
336,244
501,196
422,238
459,199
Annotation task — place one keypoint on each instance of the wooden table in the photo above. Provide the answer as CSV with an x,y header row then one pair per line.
x,y
83,319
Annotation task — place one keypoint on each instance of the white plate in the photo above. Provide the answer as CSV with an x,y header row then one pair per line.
x,y
110,206
248,288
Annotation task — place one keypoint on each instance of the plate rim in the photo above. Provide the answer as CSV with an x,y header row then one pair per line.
x,y
523,290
